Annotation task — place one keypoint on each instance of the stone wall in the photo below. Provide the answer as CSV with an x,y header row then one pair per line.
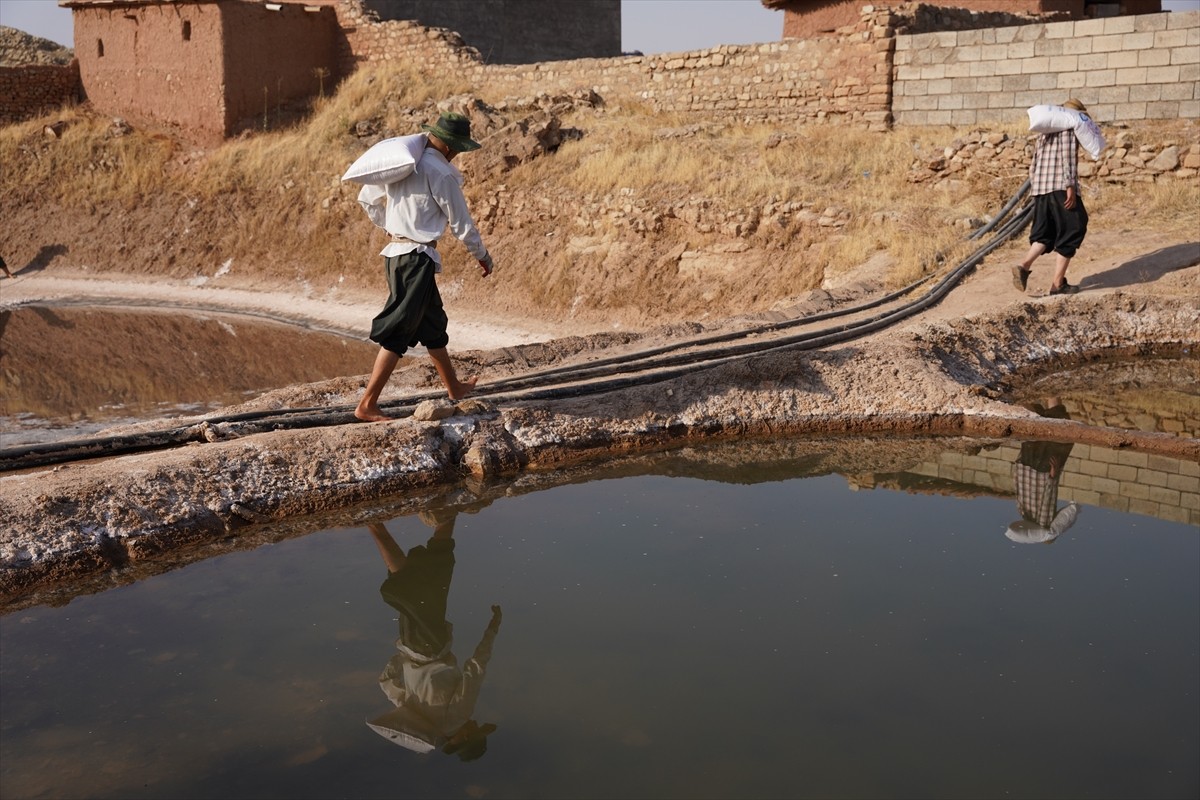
x,y
1136,483
1124,69
30,90
1133,155
805,19
519,31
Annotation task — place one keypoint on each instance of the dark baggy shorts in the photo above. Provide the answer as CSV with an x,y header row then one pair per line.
x,y
413,314
419,592
1058,228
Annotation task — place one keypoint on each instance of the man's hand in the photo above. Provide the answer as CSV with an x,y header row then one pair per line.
x,y
1070,201
487,265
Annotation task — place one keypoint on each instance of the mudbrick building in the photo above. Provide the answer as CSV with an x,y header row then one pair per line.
x,y
207,67
213,68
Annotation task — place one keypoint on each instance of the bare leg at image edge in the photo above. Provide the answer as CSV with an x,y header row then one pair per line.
x,y
385,363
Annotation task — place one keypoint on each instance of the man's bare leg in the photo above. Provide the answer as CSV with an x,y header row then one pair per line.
x,y
1061,263
457,389
1035,250
368,407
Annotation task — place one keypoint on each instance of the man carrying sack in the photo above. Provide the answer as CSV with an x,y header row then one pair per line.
x,y
415,211
1059,218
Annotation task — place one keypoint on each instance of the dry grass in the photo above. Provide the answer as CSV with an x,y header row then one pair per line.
x,y
749,167
88,163
266,196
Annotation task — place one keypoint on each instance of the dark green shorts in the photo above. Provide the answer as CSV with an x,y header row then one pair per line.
x,y
413,314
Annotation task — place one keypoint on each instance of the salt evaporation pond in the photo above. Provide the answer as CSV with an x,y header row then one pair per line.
x,y
818,626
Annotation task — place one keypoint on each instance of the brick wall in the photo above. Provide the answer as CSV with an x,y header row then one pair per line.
x,y
34,89
1137,483
1124,69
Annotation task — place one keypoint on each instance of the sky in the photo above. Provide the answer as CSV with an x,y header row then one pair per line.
x,y
649,26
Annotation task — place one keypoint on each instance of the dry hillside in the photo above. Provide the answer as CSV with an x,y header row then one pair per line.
x,y
598,214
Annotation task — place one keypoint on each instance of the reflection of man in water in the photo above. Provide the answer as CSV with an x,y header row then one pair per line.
x,y
1036,475
434,698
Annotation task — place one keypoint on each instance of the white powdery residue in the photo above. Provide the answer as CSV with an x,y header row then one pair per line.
x,y
225,326
199,280
456,429
365,471
532,435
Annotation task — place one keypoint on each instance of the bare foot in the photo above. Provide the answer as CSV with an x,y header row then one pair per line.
x,y
370,414
463,388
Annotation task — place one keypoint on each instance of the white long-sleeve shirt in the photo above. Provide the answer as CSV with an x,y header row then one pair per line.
x,y
420,207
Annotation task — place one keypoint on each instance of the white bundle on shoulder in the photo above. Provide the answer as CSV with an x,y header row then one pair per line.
x,y
388,161
1052,119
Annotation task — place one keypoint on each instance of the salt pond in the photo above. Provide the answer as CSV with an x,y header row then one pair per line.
x,y
801,629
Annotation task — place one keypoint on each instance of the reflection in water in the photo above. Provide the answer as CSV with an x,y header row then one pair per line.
x,y
71,367
1036,474
1148,394
726,621
434,698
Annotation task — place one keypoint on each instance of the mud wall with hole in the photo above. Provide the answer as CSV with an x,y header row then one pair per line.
x,y
161,66
1138,483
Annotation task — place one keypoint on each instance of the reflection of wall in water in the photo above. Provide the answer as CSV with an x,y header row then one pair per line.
x,y
1123,412
1138,483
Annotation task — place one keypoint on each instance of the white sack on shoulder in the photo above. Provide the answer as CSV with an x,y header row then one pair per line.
x,y
388,161
1053,119
1089,135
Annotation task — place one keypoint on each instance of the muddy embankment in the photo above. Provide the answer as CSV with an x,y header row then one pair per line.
x,y
80,522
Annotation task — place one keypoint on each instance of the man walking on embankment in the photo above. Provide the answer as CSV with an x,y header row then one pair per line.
x,y
1059,218
415,211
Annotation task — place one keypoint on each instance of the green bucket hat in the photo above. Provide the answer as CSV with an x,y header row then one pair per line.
x,y
455,130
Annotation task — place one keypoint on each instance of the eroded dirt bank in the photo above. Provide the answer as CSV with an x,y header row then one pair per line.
x,y
933,376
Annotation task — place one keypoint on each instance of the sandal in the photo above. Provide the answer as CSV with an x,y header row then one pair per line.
x,y
1020,277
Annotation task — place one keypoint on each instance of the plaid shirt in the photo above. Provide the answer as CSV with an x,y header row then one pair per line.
x,y
1037,494
1055,164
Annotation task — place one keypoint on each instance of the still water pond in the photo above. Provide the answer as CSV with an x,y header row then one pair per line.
x,y
772,632
71,372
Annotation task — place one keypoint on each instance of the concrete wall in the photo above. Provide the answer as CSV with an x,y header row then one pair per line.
x,y
519,31
31,90
1123,69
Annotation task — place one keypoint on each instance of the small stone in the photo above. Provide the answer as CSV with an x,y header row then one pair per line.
x,y
431,410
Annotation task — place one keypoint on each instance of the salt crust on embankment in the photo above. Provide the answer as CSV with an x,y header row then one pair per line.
x,y
932,378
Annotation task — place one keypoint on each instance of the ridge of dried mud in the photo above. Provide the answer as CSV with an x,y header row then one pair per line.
x,y
945,373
